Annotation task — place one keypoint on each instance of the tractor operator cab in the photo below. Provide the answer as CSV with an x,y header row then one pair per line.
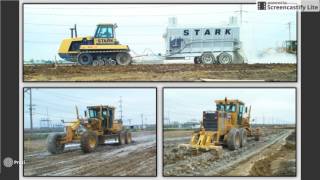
x,y
105,34
105,113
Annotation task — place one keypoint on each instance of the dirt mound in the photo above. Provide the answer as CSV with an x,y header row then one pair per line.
x,y
162,72
280,162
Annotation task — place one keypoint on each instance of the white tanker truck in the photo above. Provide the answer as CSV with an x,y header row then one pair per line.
x,y
204,45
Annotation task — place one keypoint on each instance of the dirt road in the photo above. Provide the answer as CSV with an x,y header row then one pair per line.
x,y
163,72
136,159
263,158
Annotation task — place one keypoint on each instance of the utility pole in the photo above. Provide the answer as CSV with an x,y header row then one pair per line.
x,y
241,11
289,26
141,121
169,119
30,107
120,107
30,110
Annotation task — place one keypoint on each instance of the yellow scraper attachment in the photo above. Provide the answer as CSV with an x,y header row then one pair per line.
x,y
202,141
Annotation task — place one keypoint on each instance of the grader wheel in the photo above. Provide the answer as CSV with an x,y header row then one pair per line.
x,y
89,141
257,137
233,140
128,138
101,140
243,137
122,138
53,144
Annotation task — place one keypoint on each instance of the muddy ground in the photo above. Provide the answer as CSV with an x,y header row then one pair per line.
x,y
136,159
163,72
273,155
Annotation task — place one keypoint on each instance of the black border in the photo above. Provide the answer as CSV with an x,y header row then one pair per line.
x,y
225,81
156,106
296,129
9,88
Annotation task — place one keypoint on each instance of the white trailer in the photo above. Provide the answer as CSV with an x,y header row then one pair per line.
x,y
206,45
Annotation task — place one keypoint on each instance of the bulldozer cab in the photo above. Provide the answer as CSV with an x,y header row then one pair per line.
x,y
106,115
105,34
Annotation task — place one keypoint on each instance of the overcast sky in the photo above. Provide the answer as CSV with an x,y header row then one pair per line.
x,y
61,102
142,26
267,105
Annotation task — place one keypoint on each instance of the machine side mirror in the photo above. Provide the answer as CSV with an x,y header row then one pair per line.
x,y
246,109
85,113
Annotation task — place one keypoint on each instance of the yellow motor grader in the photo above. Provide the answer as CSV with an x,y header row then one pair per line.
x,y
228,126
98,125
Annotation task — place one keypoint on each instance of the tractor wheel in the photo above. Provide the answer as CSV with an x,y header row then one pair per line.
x,y
113,62
123,58
207,58
95,63
128,138
243,137
233,139
89,141
101,62
85,59
122,138
224,58
53,144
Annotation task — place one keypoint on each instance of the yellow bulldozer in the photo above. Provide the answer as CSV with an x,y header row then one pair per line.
x,y
94,129
101,49
228,126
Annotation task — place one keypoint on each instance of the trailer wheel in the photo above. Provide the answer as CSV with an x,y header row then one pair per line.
x,y
53,144
233,139
85,59
224,58
89,141
128,138
207,58
197,60
122,138
243,137
123,58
